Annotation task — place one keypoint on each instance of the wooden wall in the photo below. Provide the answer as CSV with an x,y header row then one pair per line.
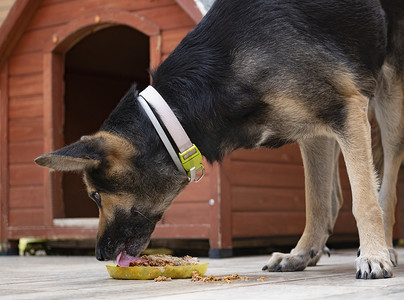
x,y
26,79
267,193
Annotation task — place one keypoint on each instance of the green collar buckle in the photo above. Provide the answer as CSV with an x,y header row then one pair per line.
x,y
191,160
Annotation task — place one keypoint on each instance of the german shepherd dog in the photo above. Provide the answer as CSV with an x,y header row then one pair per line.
x,y
263,73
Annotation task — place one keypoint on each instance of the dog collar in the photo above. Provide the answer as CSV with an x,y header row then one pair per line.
x,y
189,159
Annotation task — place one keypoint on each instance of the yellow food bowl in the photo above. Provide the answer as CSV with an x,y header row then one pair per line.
x,y
144,273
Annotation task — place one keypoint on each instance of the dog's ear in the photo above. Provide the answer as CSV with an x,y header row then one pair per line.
x,y
78,156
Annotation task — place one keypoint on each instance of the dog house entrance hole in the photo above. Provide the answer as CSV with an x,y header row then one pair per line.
x,y
99,70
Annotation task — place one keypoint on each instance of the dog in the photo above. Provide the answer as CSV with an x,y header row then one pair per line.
x,y
262,73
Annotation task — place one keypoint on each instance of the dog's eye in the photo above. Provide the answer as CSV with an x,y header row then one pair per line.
x,y
97,198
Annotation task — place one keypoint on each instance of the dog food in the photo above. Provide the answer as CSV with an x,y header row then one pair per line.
x,y
158,267
162,260
162,278
229,278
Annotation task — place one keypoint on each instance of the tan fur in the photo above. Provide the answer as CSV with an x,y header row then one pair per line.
x,y
389,113
118,150
320,157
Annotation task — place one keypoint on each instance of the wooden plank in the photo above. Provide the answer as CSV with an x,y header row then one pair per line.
x,y
26,217
26,64
53,87
345,223
171,38
259,224
33,41
25,85
4,188
168,17
14,25
52,2
186,213
63,12
26,130
220,213
26,197
25,152
262,174
267,199
181,231
289,154
155,52
51,232
26,175
200,192
26,107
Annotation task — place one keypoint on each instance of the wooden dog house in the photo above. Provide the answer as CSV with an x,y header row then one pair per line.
x,y
64,64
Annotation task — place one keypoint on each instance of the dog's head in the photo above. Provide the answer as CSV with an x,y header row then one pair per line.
x,y
131,193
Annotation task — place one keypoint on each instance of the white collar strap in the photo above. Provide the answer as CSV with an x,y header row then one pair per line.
x,y
189,160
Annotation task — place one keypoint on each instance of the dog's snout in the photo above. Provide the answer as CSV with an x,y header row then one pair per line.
x,y
99,254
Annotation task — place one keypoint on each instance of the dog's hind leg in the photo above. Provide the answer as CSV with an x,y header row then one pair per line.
x,y
389,111
320,158
336,193
355,142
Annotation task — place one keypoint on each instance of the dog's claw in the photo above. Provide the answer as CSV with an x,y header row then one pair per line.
x,y
327,251
264,268
393,257
277,268
371,267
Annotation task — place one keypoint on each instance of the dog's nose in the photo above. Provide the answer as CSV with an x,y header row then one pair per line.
x,y
98,254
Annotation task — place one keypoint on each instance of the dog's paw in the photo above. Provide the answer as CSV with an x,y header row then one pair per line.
x,y
281,262
393,256
372,267
315,256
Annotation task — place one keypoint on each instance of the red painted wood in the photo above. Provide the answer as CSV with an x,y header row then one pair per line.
x,y
255,224
26,217
26,107
24,130
25,175
171,38
25,152
26,197
30,63
288,154
4,188
25,85
14,25
187,213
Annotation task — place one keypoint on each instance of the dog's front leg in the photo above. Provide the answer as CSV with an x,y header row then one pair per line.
x,y
323,201
355,142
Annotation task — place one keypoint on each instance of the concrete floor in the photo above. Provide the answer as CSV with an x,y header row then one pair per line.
x,y
61,277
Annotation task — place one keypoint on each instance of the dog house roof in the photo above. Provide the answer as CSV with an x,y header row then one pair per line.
x,y
22,11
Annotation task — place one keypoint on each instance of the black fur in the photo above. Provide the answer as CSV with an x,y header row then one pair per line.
x,y
221,110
